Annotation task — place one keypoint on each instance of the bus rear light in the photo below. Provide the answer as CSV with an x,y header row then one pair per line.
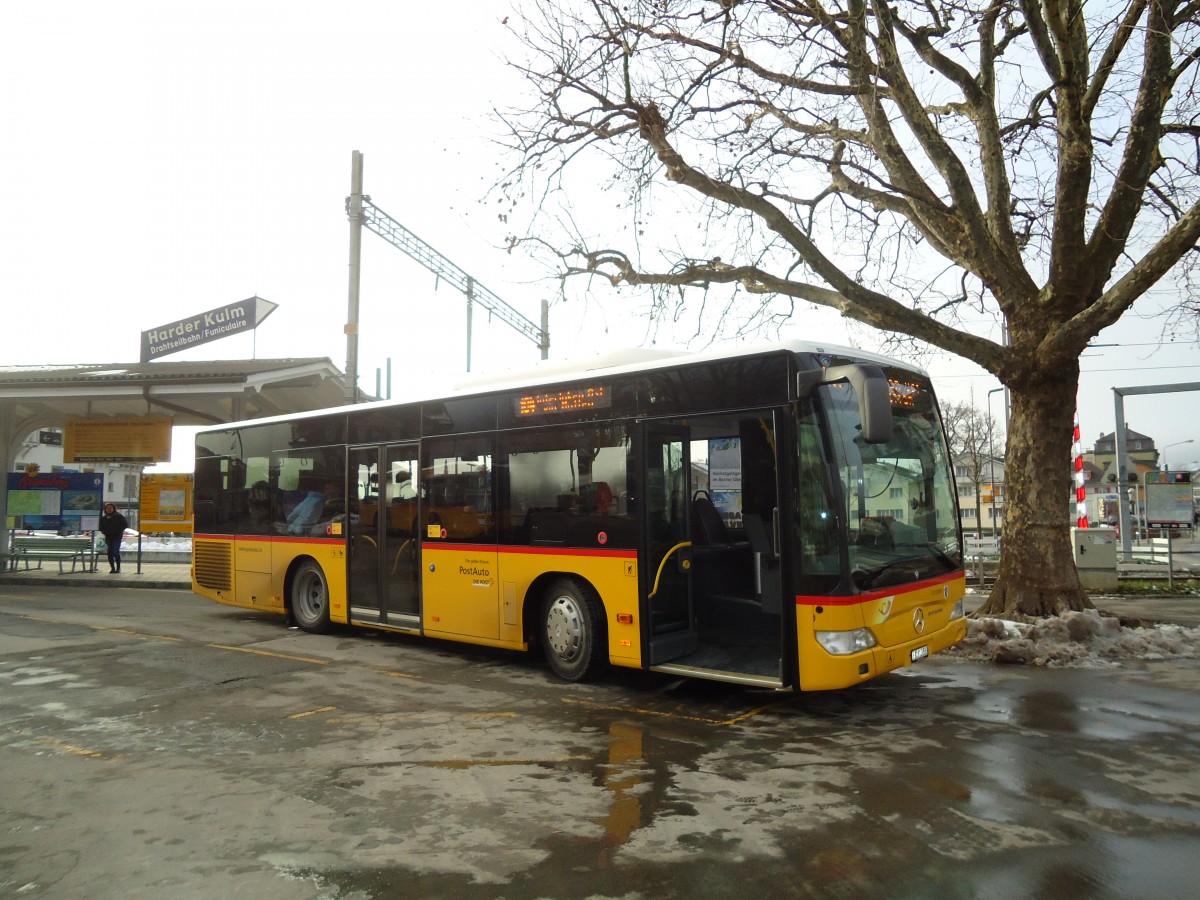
x,y
843,643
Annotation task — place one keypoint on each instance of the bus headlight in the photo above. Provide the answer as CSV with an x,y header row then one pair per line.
x,y
957,612
843,643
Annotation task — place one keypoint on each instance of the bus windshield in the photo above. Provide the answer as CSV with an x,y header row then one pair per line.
x,y
896,499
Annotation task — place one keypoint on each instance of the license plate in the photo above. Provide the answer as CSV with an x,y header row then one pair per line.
x,y
920,653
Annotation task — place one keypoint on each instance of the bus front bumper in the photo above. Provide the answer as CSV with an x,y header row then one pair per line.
x,y
825,671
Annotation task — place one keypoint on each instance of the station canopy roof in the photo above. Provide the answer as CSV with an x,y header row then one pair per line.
x,y
191,393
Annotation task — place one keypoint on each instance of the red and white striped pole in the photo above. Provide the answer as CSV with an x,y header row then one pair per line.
x,y
1081,516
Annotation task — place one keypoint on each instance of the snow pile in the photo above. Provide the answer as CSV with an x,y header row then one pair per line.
x,y
1073,639
129,543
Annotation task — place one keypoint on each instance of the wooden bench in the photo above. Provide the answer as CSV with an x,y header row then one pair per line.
x,y
28,549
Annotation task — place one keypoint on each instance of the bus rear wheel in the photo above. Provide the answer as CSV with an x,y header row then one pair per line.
x,y
310,598
573,632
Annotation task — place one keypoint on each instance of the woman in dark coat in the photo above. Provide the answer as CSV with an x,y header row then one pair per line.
x,y
112,526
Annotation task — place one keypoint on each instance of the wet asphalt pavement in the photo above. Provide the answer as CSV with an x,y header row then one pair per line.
x,y
154,744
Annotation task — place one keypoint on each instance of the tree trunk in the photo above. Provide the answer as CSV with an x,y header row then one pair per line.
x,y
1037,575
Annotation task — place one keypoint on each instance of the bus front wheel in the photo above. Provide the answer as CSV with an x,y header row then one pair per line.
x,y
573,633
310,598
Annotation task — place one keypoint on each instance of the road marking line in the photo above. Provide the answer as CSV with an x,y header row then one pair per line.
x,y
71,748
312,712
468,763
128,631
669,715
132,633
272,653
419,716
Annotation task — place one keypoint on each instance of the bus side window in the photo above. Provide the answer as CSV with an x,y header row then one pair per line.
x,y
456,481
565,486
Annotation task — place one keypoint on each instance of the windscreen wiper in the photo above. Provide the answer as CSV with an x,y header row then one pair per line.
x,y
872,577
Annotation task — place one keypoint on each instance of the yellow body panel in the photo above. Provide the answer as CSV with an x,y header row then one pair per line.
x,y
470,593
903,622
257,572
460,592
481,596
478,595
612,573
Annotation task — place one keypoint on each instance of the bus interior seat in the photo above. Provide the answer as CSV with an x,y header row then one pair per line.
x,y
723,566
707,525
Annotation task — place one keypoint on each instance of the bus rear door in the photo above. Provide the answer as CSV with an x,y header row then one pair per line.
x,y
384,578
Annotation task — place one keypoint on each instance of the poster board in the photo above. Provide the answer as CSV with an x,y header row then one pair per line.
x,y
1168,498
55,501
165,504
145,439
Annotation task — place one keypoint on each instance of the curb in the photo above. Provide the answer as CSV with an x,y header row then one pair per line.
x,y
132,580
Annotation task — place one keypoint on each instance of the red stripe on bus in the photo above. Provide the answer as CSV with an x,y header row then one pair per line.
x,y
274,538
534,551
431,545
855,599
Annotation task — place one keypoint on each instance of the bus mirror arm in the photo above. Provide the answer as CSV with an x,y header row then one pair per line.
x,y
874,396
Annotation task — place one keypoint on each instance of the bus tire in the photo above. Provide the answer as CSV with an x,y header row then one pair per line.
x,y
310,598
573,630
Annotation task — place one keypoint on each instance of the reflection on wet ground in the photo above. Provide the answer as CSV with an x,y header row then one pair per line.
x,y
394,767
957,781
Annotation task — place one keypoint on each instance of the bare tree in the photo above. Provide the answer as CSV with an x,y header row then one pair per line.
x,y
973,440
903,163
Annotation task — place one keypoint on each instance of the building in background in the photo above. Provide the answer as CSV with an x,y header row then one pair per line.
x,y
1104,488
980,482
1139,449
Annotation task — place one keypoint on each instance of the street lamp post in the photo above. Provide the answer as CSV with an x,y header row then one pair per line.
x,y
1167,468
992,456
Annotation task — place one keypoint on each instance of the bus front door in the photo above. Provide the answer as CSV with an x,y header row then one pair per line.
x,y
383,572
666,586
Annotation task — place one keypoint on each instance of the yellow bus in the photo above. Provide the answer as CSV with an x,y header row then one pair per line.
x,y
781,517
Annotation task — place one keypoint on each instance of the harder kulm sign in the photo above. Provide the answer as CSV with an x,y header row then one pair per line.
x,y
208,326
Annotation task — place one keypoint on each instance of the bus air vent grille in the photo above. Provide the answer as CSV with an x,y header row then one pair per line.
x,y
213,563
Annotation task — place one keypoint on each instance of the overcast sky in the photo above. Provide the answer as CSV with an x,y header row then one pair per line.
x,y
161,159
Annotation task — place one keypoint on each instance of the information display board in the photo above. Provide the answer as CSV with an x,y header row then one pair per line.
x,y
146,439
57,501
1168,498
165,504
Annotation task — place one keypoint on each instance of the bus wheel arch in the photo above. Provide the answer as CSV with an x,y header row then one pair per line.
x,y
571,626
533,605
308,596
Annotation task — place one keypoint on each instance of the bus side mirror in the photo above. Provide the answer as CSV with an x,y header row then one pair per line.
x,y
874,396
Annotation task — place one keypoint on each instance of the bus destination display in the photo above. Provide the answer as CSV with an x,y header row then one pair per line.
x,y
565,400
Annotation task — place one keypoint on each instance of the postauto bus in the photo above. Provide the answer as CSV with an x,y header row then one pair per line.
x,y
781,517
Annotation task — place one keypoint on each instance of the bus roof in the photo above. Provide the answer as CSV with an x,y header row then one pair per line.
x,y
620,362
